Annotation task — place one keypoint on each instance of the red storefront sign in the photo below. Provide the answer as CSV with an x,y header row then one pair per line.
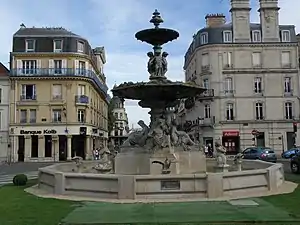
x,y
231,133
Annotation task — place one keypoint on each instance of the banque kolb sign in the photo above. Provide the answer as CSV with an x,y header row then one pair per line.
x,y
38,132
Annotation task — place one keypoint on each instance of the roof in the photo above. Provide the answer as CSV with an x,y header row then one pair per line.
x,y
44,31
4,72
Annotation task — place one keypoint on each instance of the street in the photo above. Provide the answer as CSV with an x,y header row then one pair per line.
x,y
30,169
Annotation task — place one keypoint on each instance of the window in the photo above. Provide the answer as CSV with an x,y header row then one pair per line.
x,y
256,36
204,38
32,116
228,85
285,59
116,115
0,95
287,85
121,117
0,120
285,36
205,60
259,111
57,45
28,92
258,85
81,115
56,115
81,67
227,59
80,46
256,59
58,66
57,91
229,112
288,106
30,45
29,66
227,36
23,116
207,111
206,83
81,90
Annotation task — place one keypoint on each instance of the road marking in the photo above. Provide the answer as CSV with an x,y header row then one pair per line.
x,y
8,178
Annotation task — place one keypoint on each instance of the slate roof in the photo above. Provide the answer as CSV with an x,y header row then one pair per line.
x,y
34,31
4,72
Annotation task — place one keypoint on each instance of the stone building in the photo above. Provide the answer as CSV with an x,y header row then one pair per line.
x,y
251,73
4,115
58,100
119,133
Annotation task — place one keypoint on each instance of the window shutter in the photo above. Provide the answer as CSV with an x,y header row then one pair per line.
x,y
39,64
76,67
64,66
19,67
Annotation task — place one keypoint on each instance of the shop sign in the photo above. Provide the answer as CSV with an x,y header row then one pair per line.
x,y
231,133
38,132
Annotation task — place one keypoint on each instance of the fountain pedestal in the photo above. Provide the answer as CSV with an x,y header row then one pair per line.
x,y
143,163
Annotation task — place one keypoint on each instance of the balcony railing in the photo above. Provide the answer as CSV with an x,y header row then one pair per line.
x,y
82,99
64,72
27,97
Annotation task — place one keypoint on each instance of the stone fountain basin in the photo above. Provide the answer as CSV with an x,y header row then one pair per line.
x,y
151,90
266,178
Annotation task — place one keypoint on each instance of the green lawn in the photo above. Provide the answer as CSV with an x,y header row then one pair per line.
x,y
20,208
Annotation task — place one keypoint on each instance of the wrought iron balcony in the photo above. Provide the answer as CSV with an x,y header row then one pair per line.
x,y
208,94
81,99
63,72
28,97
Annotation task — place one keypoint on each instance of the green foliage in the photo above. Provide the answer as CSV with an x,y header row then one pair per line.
x,y
20,180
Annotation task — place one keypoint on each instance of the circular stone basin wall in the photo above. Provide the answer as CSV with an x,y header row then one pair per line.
x,y
265,178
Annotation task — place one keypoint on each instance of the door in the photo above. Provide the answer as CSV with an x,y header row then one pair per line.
x,y
21,148
62,139
290,140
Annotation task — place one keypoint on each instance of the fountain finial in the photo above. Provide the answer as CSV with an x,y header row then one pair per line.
x,y
156,19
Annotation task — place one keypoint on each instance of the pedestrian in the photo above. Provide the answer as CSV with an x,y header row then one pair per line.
x,y
206,150
210,150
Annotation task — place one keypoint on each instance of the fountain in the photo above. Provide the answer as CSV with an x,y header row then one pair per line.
x,y
160,140
160,162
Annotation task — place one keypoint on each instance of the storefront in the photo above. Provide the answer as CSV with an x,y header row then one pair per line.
x,y
231,141
55,143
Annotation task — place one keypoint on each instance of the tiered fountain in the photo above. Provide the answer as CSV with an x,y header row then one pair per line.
x,y
159,162
160,141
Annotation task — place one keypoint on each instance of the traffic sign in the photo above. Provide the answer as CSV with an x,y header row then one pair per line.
x,y
254,132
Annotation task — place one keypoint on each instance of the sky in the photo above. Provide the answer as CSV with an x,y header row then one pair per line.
x,y
113,24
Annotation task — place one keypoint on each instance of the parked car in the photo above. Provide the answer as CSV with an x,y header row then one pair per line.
x,y
290,153
262,153
295,163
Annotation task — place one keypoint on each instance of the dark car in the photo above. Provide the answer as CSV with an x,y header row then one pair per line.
x,y
295,163
262,153
290,153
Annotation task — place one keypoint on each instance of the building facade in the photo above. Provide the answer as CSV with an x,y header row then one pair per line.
x,y
252,76
58,100
120,130
4,115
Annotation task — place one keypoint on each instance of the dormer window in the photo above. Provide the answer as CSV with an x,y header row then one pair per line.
x,y
30,45
57,45
80,46
256,36
204,38
227,36
285,36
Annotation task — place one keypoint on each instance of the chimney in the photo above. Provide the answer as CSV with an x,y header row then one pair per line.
x,y
215,20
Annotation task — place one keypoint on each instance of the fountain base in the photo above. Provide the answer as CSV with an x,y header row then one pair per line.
x,y
160,162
